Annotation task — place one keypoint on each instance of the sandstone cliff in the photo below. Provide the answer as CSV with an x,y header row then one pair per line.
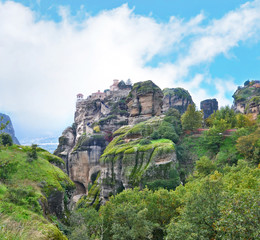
x,y
177,98
81,145
209,106
144,101
130,161
96,122
247,98
9,128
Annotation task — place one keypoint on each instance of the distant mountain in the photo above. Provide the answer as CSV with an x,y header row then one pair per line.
x,y
9,128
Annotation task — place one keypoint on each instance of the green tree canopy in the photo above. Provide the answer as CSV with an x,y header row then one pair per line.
x,y
225,113
191,119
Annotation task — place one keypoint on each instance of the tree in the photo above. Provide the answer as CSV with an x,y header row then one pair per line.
x,y
135,214
225,113
201,211
3,125
86,224
6,139
204,166
191,119
32,155
244,120
249,146
246,83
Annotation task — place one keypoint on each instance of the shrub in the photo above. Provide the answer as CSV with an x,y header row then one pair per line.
x,y
6,139
155,135
96,129
144,141
7,168
32,155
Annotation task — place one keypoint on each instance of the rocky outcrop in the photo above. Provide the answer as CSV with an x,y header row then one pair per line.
x,y
177,98
209,106
247,98
144,101
9,128
81,145
84,161
84,146
128,161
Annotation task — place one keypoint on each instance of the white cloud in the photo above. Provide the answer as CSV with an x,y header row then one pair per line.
x,y
44,64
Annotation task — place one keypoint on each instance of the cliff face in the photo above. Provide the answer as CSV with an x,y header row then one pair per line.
x,y
247,98
81,145
144,101
96,124
128,161
9,128
209,106
177,98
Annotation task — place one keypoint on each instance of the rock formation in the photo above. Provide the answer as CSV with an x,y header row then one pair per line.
x,y
144,101
81,145
247,98
9,128
127,162
209,106
177,98
97,119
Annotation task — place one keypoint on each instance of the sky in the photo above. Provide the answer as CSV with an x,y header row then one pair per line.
x,y
52,50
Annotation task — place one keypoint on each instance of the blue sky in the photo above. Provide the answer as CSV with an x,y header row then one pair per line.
x,y
51,50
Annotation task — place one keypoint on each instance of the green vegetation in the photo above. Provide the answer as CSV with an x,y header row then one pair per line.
x,y
25,190
187,185
92,199
84,141
119,107
145,87
104,121
191,119
178,92
225,118
32,155
6,139
212,205
247,92
146,161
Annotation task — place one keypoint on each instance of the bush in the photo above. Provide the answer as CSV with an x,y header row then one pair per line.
x,y
144,141
155,135
166,130
32,155
204,166
6,139
96,129
7,168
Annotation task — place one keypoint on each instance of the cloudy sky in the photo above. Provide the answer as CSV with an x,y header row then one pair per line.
x,y
52,50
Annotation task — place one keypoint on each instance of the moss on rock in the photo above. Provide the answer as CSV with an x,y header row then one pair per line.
x,y
145,87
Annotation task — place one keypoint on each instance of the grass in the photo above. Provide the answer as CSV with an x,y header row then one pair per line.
x,y
24,191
